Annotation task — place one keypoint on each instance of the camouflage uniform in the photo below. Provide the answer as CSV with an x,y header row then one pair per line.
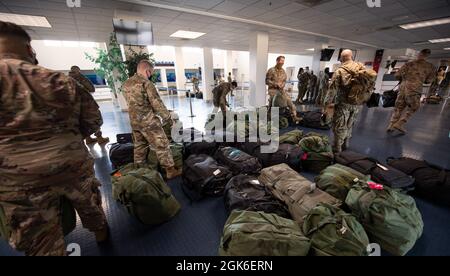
x,y
345,114
276,80
220,96
303,80
147,113
323,87
412,76
311,95
196,83
44,116
87,84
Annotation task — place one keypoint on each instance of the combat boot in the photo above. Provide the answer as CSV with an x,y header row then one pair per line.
x,y
173,172
90,141
102,140
390,128
102,235
400,128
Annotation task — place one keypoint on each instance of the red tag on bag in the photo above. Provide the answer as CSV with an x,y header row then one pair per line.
x,y
375,186
305,156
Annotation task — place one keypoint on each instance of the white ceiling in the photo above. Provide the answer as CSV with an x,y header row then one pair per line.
x,y
349,20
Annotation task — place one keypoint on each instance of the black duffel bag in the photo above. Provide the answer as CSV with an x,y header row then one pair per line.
x,y
208,148
121,154
203,176
246,193
432,182
374,100
383,174
314,120
238,161
389,98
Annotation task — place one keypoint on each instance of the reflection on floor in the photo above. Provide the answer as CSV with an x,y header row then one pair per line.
x,y
197,229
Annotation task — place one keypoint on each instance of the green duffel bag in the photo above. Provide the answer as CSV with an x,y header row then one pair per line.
x,y
390,218
338,179
318,154
144,193
292,137
249,233
177,154
284,122
68,219
334,232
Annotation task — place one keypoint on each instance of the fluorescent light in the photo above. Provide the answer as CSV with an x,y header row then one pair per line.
x,y
52,43
87,44
428,23
25,20
440,40
187,34
311,49
72,44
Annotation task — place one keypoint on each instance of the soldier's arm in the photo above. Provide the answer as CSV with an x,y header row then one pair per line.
x,y
333,88
269,79
432,76
156,102
90,116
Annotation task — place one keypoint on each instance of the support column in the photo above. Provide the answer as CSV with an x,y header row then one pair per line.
x,y
164,77
229,64
259,52
207,74
179,70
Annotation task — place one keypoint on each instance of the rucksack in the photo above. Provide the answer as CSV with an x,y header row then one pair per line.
x,y
391,219
315,120
360,85
246,193
334,232
389,98
374,100
249,233
203,176
431,182
298,193
144,194
177,154
318,154
208,148
124,138
337,180
380,173
238,161
68,219
121,154
286,154
292,137
199,95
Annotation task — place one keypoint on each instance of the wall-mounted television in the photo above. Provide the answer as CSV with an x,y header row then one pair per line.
x,y
327,54
131,32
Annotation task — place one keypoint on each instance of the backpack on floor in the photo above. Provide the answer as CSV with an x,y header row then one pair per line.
x,y
337,180
121,154
389,98
432,182
199,95
315,120
380,173
286,154
318,154
246,193
390,218
293,137
177,154
374,100
297,192
203,176
238,161
124,138
249,233
360,85
334,232
145,194
208,148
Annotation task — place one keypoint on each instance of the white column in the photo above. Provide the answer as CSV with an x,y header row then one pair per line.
x,y
207,74
229,63
179,70
259,52
164,77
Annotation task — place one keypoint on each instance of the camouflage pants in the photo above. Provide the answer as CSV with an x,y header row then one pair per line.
x,y
311,94
219,103
34,215
406,105
287,98
152,136
344,118
301,92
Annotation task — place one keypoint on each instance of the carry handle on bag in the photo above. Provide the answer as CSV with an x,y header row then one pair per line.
x,y
124,138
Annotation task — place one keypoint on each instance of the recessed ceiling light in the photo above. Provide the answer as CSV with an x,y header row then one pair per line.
x,y
447,49
187,34
311,49
440,40
428,23
25,20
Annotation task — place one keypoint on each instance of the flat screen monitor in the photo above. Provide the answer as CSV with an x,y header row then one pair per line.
x,y
131,32
327,54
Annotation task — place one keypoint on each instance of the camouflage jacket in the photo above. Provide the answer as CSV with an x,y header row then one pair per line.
x,y
303,79
276,78
44,116
414,74
221,91
337,92
83,81
144,103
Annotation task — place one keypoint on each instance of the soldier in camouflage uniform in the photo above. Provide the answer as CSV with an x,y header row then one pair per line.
x,y
412,76
345,114
303,81
324,79
276,81
196,83
220,96
75,73
147,116
44,117
312,92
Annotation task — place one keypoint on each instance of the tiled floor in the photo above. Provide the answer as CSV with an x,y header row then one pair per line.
x,y
197,229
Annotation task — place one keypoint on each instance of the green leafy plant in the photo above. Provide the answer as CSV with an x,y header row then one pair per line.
x,y
110,63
